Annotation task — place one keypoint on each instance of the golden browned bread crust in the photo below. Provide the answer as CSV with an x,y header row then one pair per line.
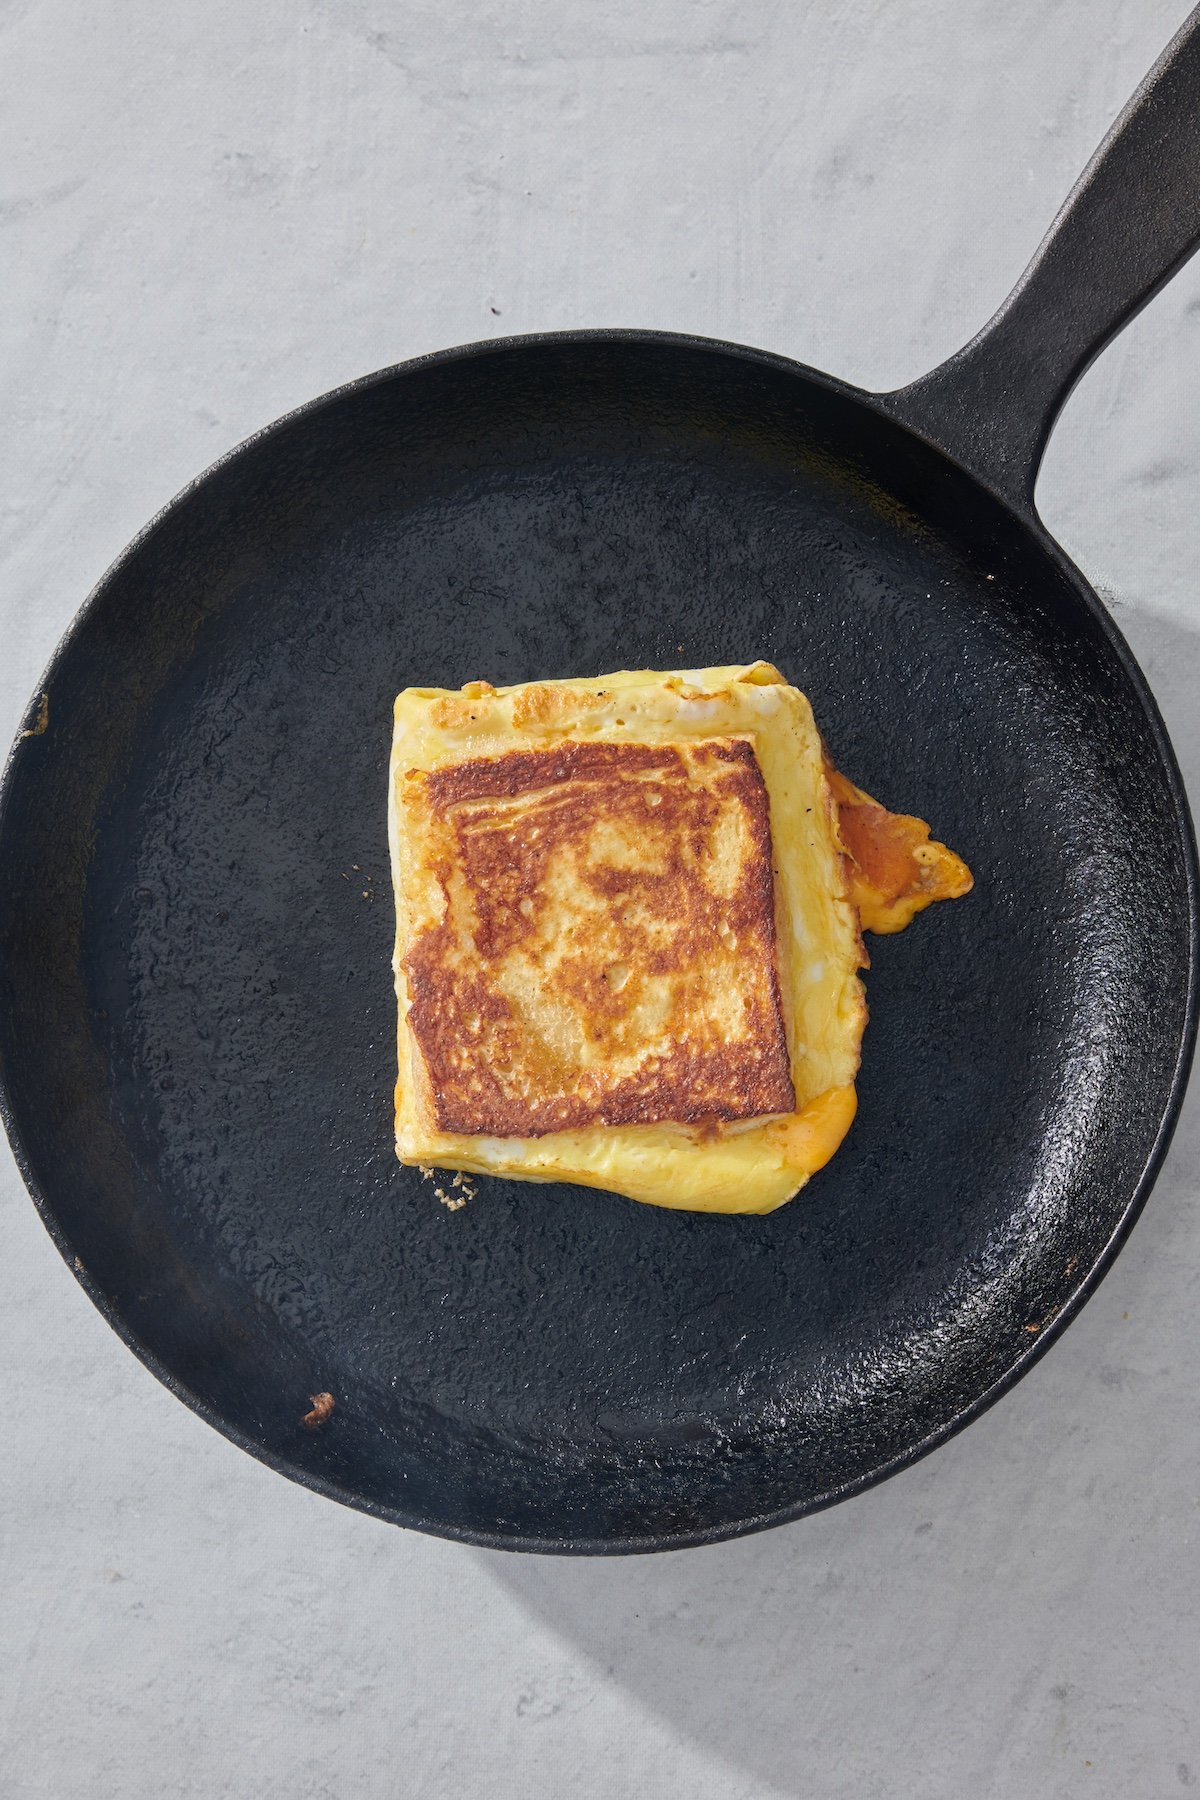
x,y
606,951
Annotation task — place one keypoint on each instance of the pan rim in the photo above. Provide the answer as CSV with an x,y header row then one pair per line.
x,y
1085,1287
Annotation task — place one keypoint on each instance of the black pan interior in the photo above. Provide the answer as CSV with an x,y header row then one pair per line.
x,y
197,1028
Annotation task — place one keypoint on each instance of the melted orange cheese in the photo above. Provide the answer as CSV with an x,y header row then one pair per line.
x,y
896,868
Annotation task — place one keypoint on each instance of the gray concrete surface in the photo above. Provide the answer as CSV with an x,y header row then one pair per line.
x,y
210,211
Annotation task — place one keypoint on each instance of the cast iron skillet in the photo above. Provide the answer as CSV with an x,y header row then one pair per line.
x,y
197,1033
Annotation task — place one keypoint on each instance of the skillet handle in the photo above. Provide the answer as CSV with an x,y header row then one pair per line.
x,y
1131,220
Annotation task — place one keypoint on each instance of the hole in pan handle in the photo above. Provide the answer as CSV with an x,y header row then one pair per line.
x,y
1132,219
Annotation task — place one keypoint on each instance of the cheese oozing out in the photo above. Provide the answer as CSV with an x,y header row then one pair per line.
x,y
628,932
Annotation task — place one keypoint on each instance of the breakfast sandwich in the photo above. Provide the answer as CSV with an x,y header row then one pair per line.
x,y
628,932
